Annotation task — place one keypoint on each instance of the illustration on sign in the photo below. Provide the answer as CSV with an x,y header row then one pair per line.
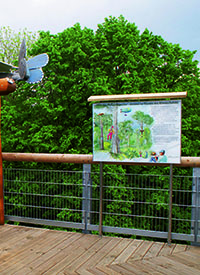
x,y
137,132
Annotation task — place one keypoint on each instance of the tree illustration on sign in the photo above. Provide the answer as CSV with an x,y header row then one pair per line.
x,y
143,119
115,141
102,121
125,131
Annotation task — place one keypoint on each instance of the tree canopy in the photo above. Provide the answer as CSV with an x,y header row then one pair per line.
x,y
10,42
55,117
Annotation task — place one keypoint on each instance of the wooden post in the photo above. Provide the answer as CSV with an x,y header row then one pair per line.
x,y
1,179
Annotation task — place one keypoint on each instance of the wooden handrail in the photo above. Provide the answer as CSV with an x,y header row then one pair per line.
x,y
84,158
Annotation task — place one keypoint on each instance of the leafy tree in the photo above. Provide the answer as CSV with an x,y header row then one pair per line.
x,y
55,117
10,42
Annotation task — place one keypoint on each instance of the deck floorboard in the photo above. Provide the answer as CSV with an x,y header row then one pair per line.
x,y
28,250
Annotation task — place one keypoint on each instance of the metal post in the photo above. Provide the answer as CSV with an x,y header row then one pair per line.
x,y
1,179
169,240
195,206
101,200
87,194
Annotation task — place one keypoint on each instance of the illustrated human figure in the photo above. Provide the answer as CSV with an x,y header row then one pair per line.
x,y
154,157
162,156
111,133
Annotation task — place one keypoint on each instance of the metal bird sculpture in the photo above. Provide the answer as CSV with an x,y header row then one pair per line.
x,y
29,71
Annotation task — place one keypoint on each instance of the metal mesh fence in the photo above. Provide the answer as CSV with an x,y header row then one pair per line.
x,y
52,195
142,202
129,201
137,201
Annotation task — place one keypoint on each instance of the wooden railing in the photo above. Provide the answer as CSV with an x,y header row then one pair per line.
x,y
76,158
84,158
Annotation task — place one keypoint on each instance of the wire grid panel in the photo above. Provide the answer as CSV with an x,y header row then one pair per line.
x,y
142,202
183,204
129,201
38,194
132,201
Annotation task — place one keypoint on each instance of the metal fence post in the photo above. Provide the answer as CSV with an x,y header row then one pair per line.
x,y
170,205
87,195
195,224
101,201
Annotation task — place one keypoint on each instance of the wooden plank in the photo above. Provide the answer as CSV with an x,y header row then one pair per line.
x,y
141,251
36,262
37,238
179,248
33,248
154,250
92,257
121,270
110,257
4,228
102,265
137,96
68,254
94,271
112,253
96,258
33,251
148,266
128,251
102,270
166,250
141,268
14,233
7,235
16,242
51,257
11,262
133,268
193,253
174,266
194,249
187,259
41,251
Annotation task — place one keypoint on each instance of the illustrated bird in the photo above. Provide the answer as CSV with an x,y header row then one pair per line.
x,y
125,111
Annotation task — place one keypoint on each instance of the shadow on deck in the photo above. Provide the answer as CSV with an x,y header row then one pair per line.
x,y
25,250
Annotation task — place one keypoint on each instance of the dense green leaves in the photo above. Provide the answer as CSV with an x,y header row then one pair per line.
x,y
55,117
10,42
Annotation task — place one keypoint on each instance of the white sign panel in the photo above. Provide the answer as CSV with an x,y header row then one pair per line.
x,y
137,132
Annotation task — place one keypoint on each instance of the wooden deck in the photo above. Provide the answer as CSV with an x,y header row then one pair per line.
x,y
25,250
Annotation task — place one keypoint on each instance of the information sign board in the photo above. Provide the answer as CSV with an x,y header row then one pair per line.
x,y
137,132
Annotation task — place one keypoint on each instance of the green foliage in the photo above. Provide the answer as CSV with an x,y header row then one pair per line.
x,y
55,117
10,42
